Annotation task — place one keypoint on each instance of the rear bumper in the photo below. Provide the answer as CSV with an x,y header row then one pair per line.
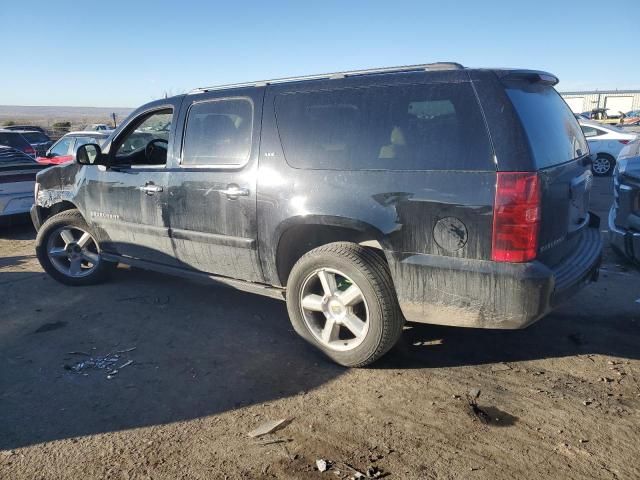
x,y
625,241
15,203
485,294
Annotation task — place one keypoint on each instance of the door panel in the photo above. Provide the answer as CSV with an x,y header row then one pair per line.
x,y
126,203
130,221
212,187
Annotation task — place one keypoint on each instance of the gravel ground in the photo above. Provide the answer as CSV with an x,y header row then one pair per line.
x,y
560,399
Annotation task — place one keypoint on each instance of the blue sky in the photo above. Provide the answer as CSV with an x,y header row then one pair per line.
x,y
124,53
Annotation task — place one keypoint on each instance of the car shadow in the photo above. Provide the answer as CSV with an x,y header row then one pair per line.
x,y
196,350
558,335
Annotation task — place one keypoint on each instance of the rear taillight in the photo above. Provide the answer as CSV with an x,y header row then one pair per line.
x,y
516,217
624,142
30,151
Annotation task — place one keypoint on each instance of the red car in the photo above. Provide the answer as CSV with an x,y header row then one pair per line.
x,y
64,150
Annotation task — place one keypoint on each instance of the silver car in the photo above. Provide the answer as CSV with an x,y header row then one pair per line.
x,y
17,181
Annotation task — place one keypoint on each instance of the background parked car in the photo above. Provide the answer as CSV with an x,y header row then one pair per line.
x,y
97,127
38,140
605,143
13,139
24,127
64,150
632,116
17,177
624,216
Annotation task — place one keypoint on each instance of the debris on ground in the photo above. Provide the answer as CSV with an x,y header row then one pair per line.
x,y
269,427
264,443
322,465
472,400
99,362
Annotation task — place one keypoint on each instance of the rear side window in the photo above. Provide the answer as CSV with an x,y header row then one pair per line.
x,y
14,140
408,127
591,131
35,137
218,132
552,130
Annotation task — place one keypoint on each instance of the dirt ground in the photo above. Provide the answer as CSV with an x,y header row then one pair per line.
x,y
561,399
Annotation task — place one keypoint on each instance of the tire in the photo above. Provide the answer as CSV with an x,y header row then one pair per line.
x,y
350,265
603,165
57,251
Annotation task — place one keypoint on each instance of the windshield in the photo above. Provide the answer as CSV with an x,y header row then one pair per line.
x,y
553,131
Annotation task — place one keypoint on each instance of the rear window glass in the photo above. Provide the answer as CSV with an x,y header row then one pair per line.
x,y
407,127
35,137
14,140
553,131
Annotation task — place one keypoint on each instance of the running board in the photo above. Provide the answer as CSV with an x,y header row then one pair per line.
x,y
250,287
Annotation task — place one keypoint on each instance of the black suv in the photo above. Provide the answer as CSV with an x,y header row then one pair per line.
x,y
429,193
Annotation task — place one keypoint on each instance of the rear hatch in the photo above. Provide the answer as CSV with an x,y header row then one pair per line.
x,y
561,158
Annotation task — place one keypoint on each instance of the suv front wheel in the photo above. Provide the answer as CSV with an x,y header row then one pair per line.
x,y
340,298
67,250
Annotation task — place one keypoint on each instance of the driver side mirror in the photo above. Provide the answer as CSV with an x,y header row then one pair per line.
x,y
90,154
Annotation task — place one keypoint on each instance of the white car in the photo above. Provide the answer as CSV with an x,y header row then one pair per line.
x,y
17,181
98,127
605,143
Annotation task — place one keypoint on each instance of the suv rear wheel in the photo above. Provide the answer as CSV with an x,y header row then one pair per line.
x,y
340,298
67,250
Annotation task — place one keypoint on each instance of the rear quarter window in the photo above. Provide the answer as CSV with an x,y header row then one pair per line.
x,y
553,132
406,127
14,140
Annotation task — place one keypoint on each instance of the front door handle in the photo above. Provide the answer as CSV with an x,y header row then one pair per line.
x,y
150,189
234,191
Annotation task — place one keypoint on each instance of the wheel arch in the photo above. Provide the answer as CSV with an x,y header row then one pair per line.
x,y
300,235
55,208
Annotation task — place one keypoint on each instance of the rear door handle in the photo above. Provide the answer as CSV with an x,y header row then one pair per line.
x,y
234,191
150,189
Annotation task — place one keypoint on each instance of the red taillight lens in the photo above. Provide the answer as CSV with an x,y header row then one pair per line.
x,y
30,151
624,142
516,217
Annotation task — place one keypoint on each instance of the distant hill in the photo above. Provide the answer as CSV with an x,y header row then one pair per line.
x,y
46,116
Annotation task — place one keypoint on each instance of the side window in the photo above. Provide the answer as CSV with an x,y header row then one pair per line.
x,y
591,131
218,132
145,142
63,146
405,127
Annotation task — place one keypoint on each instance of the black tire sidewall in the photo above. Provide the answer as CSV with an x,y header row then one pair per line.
x,y
71,218
371,291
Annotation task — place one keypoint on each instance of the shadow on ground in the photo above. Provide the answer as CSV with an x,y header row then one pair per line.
x,y
199,350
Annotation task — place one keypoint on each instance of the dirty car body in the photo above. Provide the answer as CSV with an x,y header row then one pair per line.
x,y
424,165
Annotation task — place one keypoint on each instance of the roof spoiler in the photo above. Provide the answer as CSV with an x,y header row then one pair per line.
x,y
531,76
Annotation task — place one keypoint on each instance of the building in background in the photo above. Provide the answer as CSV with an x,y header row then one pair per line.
x,y
615,101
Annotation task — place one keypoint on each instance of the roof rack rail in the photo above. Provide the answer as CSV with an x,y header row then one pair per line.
x,y
331,76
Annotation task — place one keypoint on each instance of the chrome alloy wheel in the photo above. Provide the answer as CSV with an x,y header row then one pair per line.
x,y
73,252
334,309
601,165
